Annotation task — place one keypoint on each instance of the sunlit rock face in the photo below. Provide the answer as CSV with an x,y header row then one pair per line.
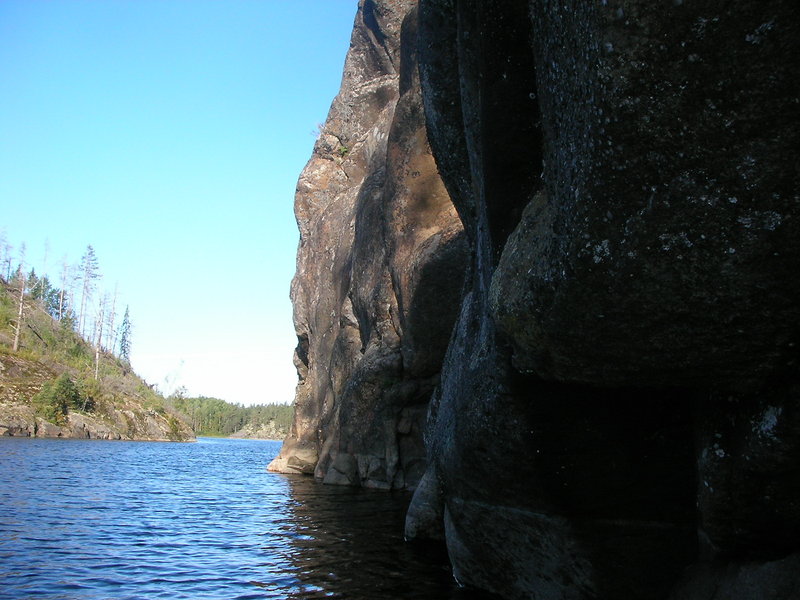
x,y
379,269
618,414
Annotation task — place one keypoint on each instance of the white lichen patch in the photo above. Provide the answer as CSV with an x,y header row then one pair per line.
x,y
757,36
747,171
670,241
601,251
769,420
768,220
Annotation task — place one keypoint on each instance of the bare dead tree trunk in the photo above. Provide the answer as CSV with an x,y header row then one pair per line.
x,y
83,308
5,257
110,329
99,338
62,292
89,274
21,312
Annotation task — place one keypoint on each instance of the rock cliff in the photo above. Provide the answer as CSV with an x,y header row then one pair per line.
x,y
616,409
620,392
379,269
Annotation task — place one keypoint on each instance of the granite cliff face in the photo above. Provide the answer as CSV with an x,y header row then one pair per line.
x,y
616,409
620,392
379,269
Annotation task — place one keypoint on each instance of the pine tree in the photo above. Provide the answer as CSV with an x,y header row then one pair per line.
x,y
33,284
42,290
50,297
125,337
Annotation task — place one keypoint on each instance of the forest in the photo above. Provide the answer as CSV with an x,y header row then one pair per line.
x,y
76,303
68,349
215,417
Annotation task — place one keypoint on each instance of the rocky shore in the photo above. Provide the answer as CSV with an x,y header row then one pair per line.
x,y
127,418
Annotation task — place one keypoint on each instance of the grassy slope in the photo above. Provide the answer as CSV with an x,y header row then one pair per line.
x,y
125,407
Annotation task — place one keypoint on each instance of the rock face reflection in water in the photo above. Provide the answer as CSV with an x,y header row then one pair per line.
x,y
348,543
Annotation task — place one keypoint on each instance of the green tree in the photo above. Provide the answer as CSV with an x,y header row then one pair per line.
x,y
212,416
68,319
42,290
33,283
54,400
89,392
125,337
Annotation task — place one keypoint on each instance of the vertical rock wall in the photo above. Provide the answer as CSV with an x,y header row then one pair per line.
x,y
379,269
607,347
618,415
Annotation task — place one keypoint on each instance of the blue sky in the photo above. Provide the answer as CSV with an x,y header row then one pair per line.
x,y
169,135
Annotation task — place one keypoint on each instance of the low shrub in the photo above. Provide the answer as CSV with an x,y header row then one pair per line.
x,y
90,392
54,400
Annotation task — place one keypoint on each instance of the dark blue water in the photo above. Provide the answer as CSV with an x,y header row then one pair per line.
x,y
136,520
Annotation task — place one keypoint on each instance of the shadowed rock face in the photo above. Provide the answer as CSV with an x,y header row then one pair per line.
x,y
623,373
609,342
379,269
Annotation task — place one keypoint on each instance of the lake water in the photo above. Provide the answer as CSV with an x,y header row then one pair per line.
x,y
90,519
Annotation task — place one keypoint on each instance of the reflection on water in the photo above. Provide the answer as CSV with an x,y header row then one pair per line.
x,y
347,543
84,519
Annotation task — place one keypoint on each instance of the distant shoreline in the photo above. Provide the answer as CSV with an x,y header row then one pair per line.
x,y
235,437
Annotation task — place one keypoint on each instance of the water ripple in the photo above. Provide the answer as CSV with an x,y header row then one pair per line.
x,y
82,519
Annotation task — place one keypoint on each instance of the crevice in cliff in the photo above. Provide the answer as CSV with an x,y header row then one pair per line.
x,y
487,101
379,38
301,349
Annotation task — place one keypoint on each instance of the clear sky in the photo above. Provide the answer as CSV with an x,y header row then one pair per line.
x,y
169,135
